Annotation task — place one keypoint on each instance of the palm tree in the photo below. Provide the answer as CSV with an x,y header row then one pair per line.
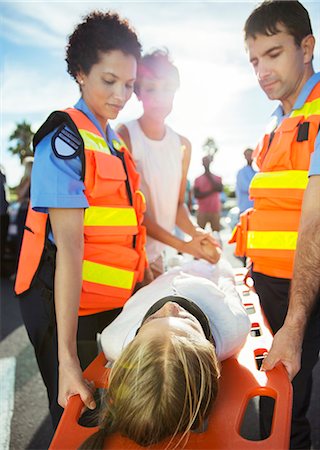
x,y
22,139
210,147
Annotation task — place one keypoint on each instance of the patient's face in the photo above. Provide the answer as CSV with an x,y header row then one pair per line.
x,y
171,319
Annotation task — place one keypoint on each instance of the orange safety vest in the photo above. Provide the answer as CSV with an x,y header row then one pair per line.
x,y
114,237
267,233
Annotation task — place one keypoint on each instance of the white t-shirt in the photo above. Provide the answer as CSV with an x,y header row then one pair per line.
x,y
159,164
211,287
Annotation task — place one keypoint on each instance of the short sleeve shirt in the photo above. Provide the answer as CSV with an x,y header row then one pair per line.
x,y
244,177
314,168
211,203
57,182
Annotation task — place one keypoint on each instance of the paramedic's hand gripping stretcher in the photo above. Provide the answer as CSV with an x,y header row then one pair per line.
x,y
241,380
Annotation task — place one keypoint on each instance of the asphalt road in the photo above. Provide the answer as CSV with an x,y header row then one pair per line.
x,y
23,394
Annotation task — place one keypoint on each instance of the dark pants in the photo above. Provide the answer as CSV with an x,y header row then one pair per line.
x,y
273,293
37,308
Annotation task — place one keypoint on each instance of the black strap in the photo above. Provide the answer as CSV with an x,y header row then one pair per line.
x,y
55,120
303,132
128,188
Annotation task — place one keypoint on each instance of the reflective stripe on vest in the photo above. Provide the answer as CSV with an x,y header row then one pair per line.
x,y
308,109
114,237
107,275
272,240
268,233
284,179
94,142
100,216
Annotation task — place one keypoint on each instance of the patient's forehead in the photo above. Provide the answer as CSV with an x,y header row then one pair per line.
x,y
166,327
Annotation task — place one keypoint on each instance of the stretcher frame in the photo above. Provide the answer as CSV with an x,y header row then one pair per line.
x,y
241,380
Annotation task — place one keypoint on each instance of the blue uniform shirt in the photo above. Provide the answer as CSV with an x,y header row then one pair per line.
x,y
314,168
244,177
56,182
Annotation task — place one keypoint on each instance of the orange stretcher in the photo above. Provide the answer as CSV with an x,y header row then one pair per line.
x,y
241,380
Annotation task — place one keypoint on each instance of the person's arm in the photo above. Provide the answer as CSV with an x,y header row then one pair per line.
x,y
241,186
183,220
287,343
201,194
217,186
195,247
189,201
216,182
67,228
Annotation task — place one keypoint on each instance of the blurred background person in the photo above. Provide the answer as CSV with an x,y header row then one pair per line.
x,y
207,189
244,177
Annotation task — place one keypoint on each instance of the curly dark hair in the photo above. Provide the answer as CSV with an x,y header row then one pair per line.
x,y
99,32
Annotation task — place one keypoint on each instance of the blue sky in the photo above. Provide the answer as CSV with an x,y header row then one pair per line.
x,y
219,95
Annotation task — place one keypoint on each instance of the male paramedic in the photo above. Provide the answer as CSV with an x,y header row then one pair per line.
x,y
280,46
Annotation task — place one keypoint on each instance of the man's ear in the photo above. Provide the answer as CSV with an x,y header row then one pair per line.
x,y
307,45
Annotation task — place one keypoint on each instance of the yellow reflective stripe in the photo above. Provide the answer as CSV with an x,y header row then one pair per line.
x,y
116,144
272,240
94,142
105,216
284,179
106,275
121,142
308,109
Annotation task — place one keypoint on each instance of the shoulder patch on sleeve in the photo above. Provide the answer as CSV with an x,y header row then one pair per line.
x,y
65,143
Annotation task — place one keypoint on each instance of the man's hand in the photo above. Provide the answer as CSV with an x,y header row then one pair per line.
x,y
285,349
72,383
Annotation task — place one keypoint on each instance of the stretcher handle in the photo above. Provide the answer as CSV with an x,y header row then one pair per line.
x,y
68,425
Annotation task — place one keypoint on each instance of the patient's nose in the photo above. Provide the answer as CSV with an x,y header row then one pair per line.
x,y
171,309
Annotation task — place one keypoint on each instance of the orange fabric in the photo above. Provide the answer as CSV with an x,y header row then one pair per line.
x,y
31,249
240,381
278,209
117,246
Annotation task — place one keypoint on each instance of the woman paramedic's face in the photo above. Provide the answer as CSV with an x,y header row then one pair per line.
x,y
109,84
172,319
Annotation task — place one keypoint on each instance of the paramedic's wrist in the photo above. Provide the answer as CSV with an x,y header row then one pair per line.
x,y
294,326
66,356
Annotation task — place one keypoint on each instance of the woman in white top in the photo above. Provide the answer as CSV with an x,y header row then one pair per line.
x,y
162,157
165,345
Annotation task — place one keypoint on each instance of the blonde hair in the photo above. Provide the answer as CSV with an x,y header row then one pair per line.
x,y
159,388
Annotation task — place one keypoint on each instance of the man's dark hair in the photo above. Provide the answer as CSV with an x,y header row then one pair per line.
x,y
99,32
269,14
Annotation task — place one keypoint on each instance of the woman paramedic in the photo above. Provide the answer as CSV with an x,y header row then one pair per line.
x,y
83,246
165,345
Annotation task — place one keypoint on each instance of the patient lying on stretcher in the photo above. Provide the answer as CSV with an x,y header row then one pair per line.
x,y
165,347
